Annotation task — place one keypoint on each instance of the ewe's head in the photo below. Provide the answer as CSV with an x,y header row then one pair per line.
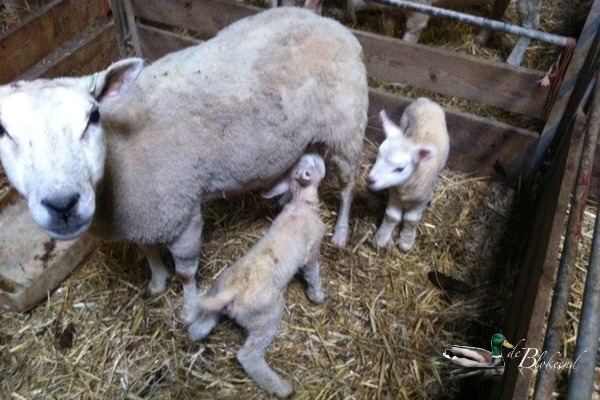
x,y
52,144
397,159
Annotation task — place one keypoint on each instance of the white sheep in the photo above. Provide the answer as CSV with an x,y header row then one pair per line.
x,y
408,163
133,152
252,290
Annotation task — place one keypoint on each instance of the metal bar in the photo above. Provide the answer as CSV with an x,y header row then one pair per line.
x,y
581,382
558,311
475,20
579,73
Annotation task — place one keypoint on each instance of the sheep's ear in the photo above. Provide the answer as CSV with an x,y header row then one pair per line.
x,y
389,128
281,187
115,79
422,153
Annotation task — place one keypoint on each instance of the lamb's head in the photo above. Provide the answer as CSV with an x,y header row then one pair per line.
x,y
398,157
52,144
308,171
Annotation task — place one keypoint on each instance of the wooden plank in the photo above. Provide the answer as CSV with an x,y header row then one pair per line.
x,y
33,264
87,53
205,17
388,59
493,83
156,43
39,35
532,294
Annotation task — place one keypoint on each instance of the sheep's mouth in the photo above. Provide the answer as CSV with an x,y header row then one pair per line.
x,y
68,230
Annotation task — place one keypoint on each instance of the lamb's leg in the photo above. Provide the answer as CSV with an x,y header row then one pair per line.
x,y
186,251
312,275
392,217
410,222
203,325
160,274
261,332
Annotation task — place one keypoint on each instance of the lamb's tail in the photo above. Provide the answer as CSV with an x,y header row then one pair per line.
x,y
218,301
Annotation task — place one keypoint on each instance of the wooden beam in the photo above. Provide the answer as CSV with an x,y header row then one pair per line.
x,y
493,83
39,35
156,43
88,52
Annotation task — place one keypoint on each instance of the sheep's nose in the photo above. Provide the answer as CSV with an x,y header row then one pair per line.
x,y
370,181
62,206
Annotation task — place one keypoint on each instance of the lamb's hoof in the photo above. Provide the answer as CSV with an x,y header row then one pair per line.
x,y
406,246
198,331
378,244
340,238
284,391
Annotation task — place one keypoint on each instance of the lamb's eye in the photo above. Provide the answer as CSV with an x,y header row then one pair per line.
x,y
94,117
399,169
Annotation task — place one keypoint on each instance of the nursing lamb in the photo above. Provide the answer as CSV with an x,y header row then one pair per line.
x,y
133,152
408,163
252,290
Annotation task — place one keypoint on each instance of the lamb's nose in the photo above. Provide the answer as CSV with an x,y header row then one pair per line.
x,y
62,206
370,181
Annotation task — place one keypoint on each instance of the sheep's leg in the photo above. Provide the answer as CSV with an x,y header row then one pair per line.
x,y
312,274
392,217
160,274
347,172
415,23
261,332
410,222
203,325
186,251
529,13
388,22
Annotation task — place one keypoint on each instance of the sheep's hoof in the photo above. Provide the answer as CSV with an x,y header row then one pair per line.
x,y
316,296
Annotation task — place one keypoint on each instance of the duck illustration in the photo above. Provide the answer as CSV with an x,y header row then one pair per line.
x,y
474,357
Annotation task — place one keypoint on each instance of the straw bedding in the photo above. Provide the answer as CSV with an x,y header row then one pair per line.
x,y
379,334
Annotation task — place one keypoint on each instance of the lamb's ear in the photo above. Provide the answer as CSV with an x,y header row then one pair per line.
x,y
389,128
422,153
281,187
115,79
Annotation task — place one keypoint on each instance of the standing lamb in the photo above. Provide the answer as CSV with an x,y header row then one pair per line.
x,y
408,163
252,290
133,152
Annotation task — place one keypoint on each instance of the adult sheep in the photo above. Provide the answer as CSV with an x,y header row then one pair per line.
x,y
133,152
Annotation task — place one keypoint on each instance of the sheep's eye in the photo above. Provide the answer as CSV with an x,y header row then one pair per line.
x,y
399,169
94,117
3,132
